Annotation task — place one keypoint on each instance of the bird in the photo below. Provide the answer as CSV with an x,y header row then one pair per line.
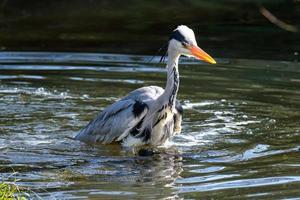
x,y
148,116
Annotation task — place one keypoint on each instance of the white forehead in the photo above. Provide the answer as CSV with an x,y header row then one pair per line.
x,y
187,33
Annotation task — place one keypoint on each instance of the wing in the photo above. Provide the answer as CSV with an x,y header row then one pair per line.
x,y
115,122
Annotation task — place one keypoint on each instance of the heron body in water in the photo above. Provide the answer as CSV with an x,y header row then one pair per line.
x,y
149,115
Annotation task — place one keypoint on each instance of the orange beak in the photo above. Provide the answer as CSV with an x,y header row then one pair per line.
x,y
202,55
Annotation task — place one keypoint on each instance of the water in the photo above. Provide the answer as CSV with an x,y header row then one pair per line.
x,y
240,137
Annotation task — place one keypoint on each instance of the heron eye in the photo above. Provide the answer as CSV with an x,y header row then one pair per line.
x,y
184,44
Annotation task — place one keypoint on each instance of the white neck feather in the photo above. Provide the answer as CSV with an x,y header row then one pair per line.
x,y
171,89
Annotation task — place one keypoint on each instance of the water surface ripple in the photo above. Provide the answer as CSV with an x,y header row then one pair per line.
x,y
240,137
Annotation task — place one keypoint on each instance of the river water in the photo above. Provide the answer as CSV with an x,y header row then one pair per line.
x,y
240,136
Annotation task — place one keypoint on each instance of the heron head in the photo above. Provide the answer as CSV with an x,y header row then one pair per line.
x,y
183,42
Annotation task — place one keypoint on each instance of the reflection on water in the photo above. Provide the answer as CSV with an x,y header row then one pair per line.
x,y
240,134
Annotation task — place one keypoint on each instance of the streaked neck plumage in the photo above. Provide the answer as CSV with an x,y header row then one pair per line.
x,y
171,89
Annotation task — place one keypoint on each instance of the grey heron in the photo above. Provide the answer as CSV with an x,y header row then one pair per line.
x,y
148,116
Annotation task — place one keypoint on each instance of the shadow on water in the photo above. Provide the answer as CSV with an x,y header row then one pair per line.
x,y
240,134
229,30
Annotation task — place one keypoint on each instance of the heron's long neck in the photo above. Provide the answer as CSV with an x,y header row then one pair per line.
x,y
170,93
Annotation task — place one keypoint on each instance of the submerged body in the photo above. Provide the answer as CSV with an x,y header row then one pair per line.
x,y
123,121
149,115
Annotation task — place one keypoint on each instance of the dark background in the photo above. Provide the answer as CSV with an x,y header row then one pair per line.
x,y
224,28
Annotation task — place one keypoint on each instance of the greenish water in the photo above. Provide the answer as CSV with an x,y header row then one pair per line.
x,y
240,137
227,29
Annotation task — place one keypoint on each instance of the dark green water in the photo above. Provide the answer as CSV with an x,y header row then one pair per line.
x,y
240,138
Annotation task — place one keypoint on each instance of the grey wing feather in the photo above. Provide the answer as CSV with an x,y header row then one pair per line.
x,y
115,122
145,93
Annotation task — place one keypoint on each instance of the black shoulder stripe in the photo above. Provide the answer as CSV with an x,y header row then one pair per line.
x,y
179,107
138,108
136,130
